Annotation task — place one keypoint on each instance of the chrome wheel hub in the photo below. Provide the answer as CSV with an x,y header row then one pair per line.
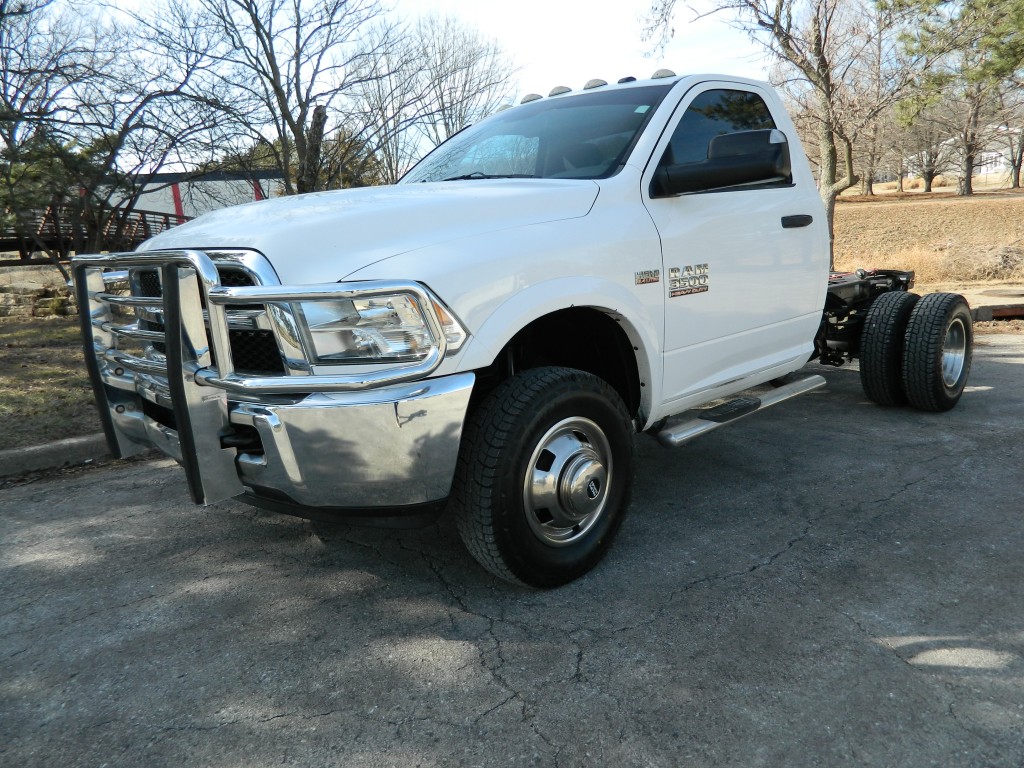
x,y
954,352
565,488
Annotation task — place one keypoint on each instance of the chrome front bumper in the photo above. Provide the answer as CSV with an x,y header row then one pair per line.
x,y
391,447
305,441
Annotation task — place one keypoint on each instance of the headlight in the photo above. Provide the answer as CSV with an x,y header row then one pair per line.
x,y
387,328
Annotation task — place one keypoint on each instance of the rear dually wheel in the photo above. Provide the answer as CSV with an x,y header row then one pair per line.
x,y
937,351
881,347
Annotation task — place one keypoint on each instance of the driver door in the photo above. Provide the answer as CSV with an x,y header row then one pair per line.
x,y
744,292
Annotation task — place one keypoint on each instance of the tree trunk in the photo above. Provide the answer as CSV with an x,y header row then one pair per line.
x,y
965,186
829,186
830,211
309,164
971,145
1016,160
827,182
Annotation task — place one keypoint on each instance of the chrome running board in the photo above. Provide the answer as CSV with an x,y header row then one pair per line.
x,y
712,418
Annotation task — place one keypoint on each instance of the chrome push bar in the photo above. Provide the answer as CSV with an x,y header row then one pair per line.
x,y
195,367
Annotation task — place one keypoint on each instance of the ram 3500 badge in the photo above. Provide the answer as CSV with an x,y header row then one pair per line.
x,y
491,333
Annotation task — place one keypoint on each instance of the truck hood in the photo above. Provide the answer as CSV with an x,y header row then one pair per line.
x,y
325,236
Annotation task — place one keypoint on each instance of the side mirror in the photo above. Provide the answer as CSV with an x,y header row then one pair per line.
x,y
734,159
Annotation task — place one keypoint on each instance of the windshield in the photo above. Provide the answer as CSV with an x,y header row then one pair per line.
x,y
586,136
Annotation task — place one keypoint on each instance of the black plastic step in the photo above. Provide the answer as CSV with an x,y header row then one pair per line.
x,y
733,409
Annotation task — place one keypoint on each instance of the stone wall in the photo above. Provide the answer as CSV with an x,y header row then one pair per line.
x,y
34,292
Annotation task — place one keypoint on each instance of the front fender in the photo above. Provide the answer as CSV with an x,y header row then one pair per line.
x,y
500,282
531,303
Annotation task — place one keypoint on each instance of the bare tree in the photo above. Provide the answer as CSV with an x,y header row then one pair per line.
x,y
441,78
928,146
93,105
45,50
390,106
145,109
872,73
42,52
349,160
289,65
958,125
1012,129
466,76
895,159
1015,155
970,116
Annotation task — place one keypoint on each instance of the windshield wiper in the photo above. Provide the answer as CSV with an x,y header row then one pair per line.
x,y
482,175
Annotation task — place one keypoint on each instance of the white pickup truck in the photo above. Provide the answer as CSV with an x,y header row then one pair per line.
x,y
490,334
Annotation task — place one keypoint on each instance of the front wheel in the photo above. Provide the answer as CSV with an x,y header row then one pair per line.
x,y
544,476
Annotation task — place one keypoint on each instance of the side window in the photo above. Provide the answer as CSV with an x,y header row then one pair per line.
x,y
711,114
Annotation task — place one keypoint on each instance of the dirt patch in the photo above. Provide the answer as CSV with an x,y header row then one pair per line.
x,y
45,393
999,326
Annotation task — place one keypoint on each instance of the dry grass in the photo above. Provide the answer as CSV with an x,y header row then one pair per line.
x,y
1014,325
45,393
951,264
943,238
990,182
914,184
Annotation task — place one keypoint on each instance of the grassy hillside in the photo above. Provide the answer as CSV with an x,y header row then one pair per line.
x,y
943,237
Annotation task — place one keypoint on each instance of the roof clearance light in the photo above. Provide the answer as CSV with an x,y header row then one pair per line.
x,y
595,83
628,79
663,73
558,90
530,97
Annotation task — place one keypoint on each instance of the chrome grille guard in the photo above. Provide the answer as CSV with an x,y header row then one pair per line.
x,y
196,370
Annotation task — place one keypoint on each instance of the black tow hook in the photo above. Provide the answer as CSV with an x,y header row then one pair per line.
x,y
244,439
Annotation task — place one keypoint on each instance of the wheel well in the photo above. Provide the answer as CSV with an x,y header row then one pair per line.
x,y
582,338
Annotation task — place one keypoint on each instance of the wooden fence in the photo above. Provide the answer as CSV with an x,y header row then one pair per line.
x,y
61,230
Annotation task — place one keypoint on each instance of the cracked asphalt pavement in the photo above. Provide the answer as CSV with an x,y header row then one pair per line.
x,y
828,583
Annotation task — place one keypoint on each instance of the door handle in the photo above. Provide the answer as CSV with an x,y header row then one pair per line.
x,y
794,222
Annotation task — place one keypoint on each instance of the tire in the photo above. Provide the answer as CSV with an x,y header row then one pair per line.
x,y
881,347
937,351
544,476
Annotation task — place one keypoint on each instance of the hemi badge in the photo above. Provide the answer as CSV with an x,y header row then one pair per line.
x,y
648,276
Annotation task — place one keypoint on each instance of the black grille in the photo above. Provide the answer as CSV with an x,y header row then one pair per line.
x,y
234,278
149,325
255,352
149,282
